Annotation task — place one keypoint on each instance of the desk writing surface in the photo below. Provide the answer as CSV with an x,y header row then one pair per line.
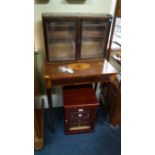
x,y
96,69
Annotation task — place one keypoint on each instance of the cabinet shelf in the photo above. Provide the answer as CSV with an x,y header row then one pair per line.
x,y
94,39
61,34
60,40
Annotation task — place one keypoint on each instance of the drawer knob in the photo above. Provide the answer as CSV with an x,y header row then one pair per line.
x,y
80,115
80,110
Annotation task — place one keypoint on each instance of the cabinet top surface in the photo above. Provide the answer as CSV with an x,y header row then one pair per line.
x,y
86,96
93,68
86,15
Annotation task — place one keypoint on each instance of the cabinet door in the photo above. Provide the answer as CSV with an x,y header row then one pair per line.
x,y
61,40
94,38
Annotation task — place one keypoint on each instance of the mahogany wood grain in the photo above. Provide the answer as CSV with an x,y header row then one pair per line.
x,y
85,95
100,70
71,16
80,105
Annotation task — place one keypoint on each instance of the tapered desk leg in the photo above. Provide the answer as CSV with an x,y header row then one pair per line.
x,y
96,86
49,96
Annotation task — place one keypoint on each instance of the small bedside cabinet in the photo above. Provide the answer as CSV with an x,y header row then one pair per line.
x,y
80,105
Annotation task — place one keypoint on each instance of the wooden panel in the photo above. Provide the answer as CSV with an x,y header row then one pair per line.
x,y
112,96
39,128
85,96
118,8
38,113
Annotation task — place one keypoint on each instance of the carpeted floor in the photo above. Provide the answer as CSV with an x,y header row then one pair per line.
x,y
105,140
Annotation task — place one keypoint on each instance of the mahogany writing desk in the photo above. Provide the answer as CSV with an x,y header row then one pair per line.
x,y
85,72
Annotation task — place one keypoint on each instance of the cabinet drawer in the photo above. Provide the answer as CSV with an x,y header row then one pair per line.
x,y
77,110
80,127
80,120
75,115
80,124
80,117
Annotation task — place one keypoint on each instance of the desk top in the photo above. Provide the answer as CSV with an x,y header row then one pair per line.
x,y
95,69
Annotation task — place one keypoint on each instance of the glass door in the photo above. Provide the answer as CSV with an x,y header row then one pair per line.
x,y
94,38
61,40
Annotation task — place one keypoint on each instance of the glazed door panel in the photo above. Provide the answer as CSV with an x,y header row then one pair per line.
x,y
61,40
94,39
72,38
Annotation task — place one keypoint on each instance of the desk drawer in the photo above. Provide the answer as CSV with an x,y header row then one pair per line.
x,y
80,80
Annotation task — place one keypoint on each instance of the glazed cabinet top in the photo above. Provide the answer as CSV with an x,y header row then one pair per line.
x,y
72,37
